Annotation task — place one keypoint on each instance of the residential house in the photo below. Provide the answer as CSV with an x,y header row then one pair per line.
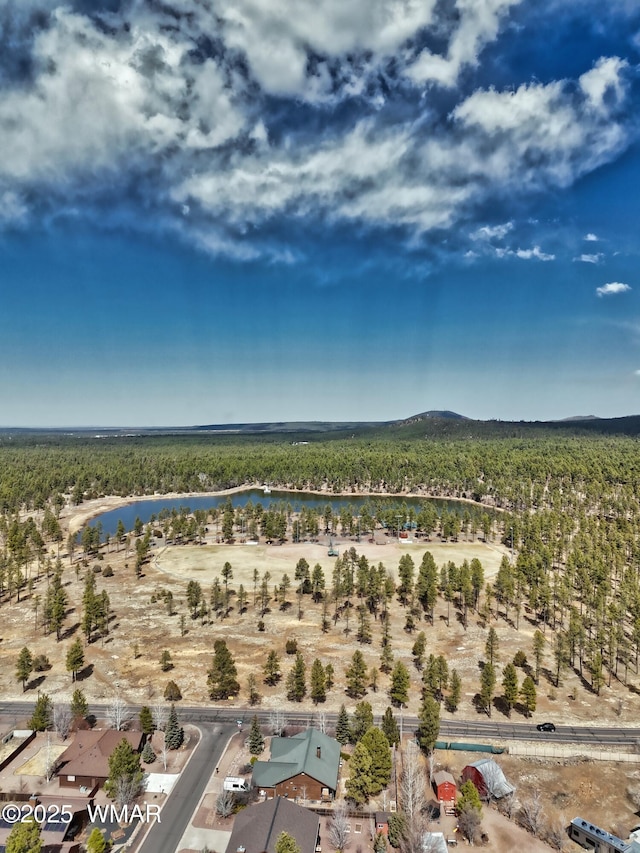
x,y
257,828
304,766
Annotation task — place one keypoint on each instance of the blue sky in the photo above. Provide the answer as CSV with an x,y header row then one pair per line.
x,y
221,212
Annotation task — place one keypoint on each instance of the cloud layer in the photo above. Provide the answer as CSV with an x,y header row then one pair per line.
x,y
220,121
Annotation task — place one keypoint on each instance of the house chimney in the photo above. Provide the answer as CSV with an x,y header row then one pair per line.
x,y
318,752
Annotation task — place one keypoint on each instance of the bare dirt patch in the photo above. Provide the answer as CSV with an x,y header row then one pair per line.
x,y
44,758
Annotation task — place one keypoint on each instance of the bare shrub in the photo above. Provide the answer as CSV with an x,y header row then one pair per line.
x,y
556,833
469,821
339,828
62,719
224,804
531,814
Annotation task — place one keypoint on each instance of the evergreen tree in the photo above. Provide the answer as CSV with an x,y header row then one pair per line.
x,y
146,720
356,676
296,680
468,798
172,692
418,650
24,837
125,774
148,755
173,733
343,728
222,680
165,661
491,646
428,724
362,720
96,842
252,690
272,669
390,727
79,706
328,676
487,686
318,690
510,686
528,693
41,718
399,690
358,785
453,699
377,744
256,740
24,667
539,643
287,844
75,658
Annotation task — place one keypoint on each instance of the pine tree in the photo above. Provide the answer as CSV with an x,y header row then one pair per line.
x,y
318,682
539,643
252,690
453,699
296,680
24,667
272,669
146,720
24,837
172,692
79,706
418,650
362,720
165,661
528,693
510,686
358,785
491,646
399,690
41,718
343,728
222,680
125,774
287,844
468,798
487,686
148,755
173,733
256,740
428,724
356,676
75,658
328,676
377,744
96,842
390,727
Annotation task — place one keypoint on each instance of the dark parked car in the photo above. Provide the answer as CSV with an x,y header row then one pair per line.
x,y
546,727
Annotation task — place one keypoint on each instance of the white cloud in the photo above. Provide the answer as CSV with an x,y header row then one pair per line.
x,y
478,24
591,238
590,259
534,254
636,372
492,232
612,287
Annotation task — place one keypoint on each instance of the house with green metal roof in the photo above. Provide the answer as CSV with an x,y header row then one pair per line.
x,y
304,766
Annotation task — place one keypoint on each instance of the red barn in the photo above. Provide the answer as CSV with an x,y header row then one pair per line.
x,y
488,778
445,786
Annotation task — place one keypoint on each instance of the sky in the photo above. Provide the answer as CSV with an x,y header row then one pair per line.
x,y
226,211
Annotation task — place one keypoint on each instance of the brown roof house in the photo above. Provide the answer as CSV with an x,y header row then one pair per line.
x,y
85,763
303,766
257,828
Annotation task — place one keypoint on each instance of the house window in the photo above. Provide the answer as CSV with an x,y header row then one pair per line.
x,y
358,827
71,778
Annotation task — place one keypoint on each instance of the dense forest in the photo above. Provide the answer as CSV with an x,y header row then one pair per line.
x,y
568,513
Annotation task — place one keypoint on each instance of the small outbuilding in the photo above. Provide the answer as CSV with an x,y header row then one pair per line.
x,y
382,823
488,778
445,787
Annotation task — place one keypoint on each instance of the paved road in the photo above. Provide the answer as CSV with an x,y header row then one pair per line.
x,y
185,797
482,729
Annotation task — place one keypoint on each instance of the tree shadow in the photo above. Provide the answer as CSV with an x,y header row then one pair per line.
x,y
70,631
33,683
85,672
502,706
